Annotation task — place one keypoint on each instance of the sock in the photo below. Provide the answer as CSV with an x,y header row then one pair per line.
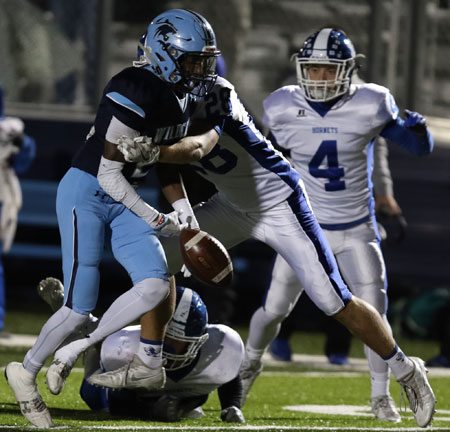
x,y
379,373
400,365
264,328
150,352
58,327
143,297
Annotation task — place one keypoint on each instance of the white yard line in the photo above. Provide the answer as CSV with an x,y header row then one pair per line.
x,y
244,427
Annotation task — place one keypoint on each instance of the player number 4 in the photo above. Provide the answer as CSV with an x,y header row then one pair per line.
x,y
328,149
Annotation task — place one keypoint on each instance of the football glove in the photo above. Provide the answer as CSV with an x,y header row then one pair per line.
x,y
185,272
394,225
415,122
139,150
168,225
232,415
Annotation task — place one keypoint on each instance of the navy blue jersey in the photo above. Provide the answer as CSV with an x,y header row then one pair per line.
x,y
141,101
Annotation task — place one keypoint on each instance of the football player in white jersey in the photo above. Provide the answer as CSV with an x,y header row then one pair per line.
x,y
199,358
261,196
329,126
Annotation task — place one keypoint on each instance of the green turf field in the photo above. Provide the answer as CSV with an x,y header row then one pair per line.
x,y
284,398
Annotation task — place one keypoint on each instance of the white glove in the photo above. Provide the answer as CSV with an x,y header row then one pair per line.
x,y
168,225
138,150
185,271
187,215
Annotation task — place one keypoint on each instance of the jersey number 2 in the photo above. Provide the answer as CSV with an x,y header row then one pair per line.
x,y
328,149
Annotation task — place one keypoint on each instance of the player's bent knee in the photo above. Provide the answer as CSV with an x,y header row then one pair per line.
x,y
274,316
375,298
77,318
152,290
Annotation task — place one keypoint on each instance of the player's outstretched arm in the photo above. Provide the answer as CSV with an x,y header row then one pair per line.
x,y
411,133
230,396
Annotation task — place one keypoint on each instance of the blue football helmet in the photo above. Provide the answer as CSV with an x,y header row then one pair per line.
x,y
188,325
180,47
327,47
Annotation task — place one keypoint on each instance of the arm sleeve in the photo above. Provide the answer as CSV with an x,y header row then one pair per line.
x,y
113,182
381,177
396,131
230,393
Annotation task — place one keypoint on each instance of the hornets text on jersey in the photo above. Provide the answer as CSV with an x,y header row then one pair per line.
x,y
333,156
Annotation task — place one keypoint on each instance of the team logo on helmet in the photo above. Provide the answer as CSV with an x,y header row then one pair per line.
x,y
183,55
165,30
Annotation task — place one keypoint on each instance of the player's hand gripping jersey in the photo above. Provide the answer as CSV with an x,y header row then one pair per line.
x,y
245,168
125,109
328,151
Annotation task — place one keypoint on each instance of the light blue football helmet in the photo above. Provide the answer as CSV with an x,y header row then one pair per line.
x,y
328,46
188,325
180,48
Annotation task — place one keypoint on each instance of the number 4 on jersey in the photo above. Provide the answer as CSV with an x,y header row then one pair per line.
x,y
328,149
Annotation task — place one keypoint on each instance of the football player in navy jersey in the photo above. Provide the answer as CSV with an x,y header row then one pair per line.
x,y
261,196
150,102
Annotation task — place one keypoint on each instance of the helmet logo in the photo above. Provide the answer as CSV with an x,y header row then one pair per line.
x,y
165,30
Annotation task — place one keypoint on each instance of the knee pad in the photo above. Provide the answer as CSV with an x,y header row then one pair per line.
x,y
152,290
271,317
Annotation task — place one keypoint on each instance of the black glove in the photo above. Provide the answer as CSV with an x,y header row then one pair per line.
x,y
394,225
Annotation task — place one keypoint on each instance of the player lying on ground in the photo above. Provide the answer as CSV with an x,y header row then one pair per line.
x,y
200,358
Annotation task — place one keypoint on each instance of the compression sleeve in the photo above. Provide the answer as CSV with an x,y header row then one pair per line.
x,y
396,131
114,183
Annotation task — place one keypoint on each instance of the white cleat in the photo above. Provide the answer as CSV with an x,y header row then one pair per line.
x,y
250,370
232,415
24,386
384,409
57,374
135,374
420,395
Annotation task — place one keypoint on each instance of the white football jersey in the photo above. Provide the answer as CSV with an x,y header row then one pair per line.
x,y
219,362
332,152
244,166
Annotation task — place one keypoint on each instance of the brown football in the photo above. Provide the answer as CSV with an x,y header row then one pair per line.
x,y
206,258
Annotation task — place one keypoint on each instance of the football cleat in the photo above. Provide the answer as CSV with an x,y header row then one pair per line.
x,y
419,392
232,415
280,350
384,409
57,374
338,359
250,370
24,386
135,374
